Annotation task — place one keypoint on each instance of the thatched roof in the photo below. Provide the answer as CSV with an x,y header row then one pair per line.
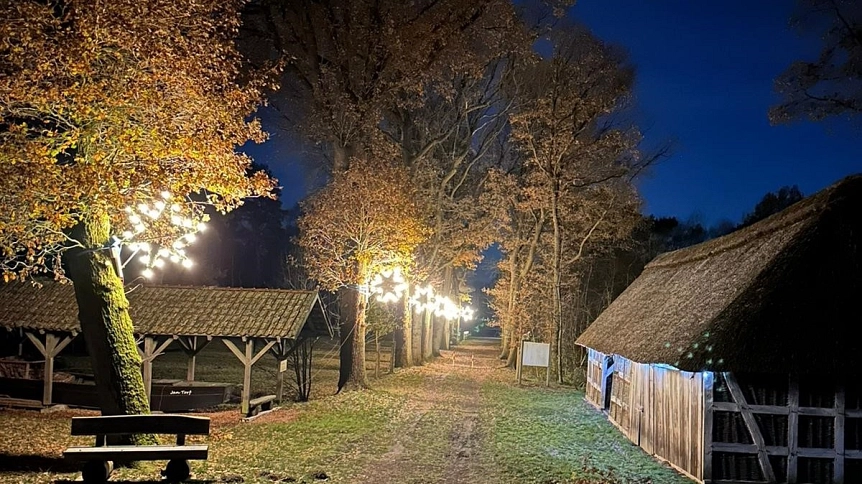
x,y
779,296
173,310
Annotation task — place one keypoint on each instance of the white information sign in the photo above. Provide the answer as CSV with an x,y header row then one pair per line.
x,y
282,366
536,354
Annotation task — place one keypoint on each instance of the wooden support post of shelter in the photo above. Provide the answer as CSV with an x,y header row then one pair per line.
x,y
149,353
50,349
281,350
192,345
248,359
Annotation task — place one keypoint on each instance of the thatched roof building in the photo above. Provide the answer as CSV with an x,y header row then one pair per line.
x,y
737,360
781,295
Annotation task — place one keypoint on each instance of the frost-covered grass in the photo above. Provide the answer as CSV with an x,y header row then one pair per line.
x,y
546,435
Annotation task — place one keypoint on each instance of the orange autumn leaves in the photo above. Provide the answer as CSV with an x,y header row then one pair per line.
x,y
364,218
105,104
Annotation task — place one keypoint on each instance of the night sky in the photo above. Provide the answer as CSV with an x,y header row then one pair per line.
x,y
705,73
704,81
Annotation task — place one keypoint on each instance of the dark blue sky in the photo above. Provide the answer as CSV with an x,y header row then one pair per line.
x,y
704,80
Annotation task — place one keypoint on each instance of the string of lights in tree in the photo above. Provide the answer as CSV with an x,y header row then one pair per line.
x,y
390,285
154,255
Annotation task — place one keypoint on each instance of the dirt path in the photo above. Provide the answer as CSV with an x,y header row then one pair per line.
x,y
439,439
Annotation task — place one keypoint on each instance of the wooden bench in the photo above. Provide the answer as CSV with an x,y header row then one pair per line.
x,y
260,404
98,460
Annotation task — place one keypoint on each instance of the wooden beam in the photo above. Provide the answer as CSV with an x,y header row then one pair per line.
x,y
751,424
817,412
838,466
236,351
246,376
247,359
793,430
63,344
708,413
148,354
263,351
729,448
51,344
759,409
147,365
38,344
49,350
774,450
191,347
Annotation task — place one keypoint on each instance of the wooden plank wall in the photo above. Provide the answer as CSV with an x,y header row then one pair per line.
x,y
661,410
595,360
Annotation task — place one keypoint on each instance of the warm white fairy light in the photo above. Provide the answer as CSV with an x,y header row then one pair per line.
x,y
438,305
467,313
156,256
389,285
422,297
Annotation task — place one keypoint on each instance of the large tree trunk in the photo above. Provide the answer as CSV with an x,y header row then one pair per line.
x,y
437,337
353,375
348,325
404,341
556,338
450,288
427,335
509,320
418,337
103,311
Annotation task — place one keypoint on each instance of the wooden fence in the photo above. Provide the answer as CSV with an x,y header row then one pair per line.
x,y
661,410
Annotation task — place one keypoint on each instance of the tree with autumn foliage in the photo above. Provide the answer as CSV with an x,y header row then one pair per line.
x,y
570,187
363,221
364,74
106,104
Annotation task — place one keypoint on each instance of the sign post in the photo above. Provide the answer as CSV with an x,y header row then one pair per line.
x,y
535,354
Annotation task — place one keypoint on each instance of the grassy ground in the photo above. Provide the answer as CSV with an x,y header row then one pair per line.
x,y
443,422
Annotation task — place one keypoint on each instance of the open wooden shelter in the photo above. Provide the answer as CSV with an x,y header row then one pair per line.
x,y
738,360
250,322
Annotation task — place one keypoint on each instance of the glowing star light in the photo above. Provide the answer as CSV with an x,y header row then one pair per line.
x,y
422,298
467,313
389,285
142,216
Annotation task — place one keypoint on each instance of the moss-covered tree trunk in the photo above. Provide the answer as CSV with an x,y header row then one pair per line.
x,y
103,311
